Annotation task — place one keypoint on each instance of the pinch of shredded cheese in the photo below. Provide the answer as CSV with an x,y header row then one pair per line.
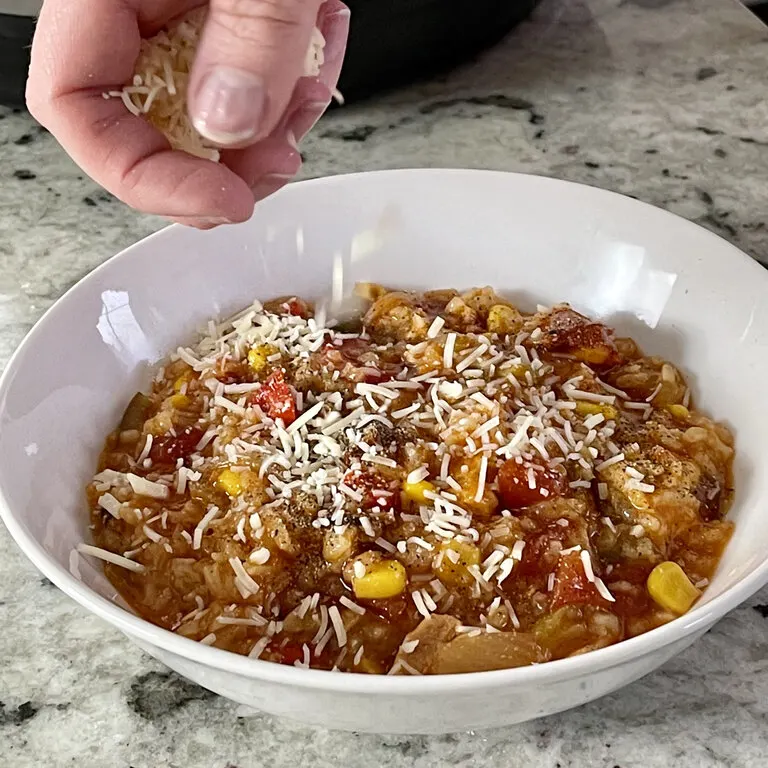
x,y
158,90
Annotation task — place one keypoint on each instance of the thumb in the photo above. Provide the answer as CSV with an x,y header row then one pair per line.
x,y
250,57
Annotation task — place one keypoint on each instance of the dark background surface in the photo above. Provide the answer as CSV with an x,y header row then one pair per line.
x,y
15,38
397,41
760,10
392,42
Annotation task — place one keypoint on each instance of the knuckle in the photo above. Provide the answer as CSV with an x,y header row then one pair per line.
x,y
249,19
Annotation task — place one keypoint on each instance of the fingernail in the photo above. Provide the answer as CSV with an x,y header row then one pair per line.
x,y
214,221
335,29
293,142
304,119
229,106
202,222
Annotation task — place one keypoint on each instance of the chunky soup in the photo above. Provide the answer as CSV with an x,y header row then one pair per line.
x,y
448,485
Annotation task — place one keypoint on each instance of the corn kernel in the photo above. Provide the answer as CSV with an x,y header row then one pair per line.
x,y
455,558
180,402
386,578
590,409
415,491
230,483
679,411
185,378
257,356
671,588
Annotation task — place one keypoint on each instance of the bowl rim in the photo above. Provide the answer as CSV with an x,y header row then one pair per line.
x,y
699,619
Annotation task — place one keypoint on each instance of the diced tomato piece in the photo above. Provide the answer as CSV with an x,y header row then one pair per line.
x,y
276,398
571,584
515,489
376,490
167,450
287,654
636,601
292,651
296,307
593,343
541,554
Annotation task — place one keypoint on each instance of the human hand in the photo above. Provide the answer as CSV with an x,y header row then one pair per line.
x,y
246,94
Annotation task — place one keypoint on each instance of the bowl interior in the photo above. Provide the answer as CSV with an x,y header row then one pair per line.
x,y
679,290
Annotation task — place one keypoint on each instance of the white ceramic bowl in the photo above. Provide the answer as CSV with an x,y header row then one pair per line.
x,y
679,290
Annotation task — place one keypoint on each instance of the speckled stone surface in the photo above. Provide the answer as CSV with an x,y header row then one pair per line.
x,y
665,101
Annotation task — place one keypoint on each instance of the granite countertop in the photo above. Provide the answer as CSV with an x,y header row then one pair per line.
x,y
661,100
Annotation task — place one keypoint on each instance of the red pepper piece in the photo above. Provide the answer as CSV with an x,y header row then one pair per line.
x,y
276,398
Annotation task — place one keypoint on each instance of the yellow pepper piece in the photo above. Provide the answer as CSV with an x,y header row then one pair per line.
x,y
592,355
455,559
338,546
679,411
180,402
671,588
230,483
384,579
584,408
502,319
415,491
257,356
